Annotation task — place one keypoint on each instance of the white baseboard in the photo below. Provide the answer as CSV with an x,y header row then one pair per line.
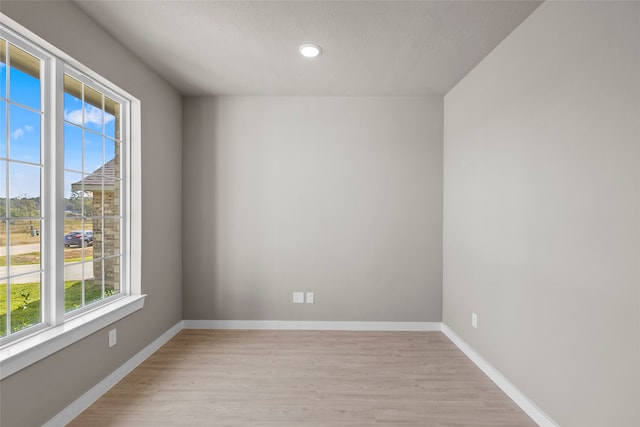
x,y
505,385
312,325
83,402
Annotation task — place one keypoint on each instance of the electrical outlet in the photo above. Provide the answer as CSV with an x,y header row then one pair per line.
x,y
298,297
309,297
113,338
474,320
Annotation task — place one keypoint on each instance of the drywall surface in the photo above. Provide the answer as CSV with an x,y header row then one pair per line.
x,y
37,393
542,210
334,195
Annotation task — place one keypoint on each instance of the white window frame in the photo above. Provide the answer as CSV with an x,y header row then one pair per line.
x,y
57,310
59,329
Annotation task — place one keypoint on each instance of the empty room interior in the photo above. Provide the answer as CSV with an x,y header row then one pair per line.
x,y
433,222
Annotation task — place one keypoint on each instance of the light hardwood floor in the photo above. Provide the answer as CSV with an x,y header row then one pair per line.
x,y
305,378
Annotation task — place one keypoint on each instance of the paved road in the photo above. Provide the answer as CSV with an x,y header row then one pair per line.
x,y
20,249
71,272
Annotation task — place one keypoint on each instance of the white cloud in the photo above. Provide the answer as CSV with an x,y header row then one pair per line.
x,y
74,116
19,133
92,115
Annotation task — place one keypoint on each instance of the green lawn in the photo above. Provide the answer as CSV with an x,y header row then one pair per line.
x,y
25,306
25,302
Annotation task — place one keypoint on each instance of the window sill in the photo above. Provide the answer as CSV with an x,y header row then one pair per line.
x,y
19,355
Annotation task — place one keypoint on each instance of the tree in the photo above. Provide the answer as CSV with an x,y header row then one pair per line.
x,y
76,201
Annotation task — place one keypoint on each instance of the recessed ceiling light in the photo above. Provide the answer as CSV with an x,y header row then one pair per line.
x,y
310,50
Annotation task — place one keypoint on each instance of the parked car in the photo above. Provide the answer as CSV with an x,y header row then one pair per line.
x,y
77,238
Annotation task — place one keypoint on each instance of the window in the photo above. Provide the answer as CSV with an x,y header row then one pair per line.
x,y
92,194
65,189
21,167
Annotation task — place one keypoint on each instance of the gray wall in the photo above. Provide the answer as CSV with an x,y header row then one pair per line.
x,y
37,393
542,210
339,196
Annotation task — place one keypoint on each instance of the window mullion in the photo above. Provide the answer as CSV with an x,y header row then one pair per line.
x,y
54,193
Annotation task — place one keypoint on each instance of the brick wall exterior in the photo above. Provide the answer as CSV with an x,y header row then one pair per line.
x,y
106,232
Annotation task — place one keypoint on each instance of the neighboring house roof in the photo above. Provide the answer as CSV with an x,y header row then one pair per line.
x,y
94,182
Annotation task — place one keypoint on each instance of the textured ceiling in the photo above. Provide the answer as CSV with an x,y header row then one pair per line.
x,y
369,47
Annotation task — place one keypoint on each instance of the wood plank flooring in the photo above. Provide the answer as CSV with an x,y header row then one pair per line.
x,y
305,378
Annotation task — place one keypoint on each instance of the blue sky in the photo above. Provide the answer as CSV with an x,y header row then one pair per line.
x,y
84,127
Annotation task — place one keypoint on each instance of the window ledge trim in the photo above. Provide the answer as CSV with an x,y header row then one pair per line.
x,y
17,356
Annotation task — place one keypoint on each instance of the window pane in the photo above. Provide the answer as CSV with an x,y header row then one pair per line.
x,y
93,114
3,188
80,192
111,237
72,100
72,147
3,68
96,225
88,204
24,78
112,169
93,284
110,201
4,270
24,190
24,134
78,240
3,307
74,275
73,185
112,275
112,118
98,204
74,254
3,129
3,244
25,301
92,152
24,236
110,150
